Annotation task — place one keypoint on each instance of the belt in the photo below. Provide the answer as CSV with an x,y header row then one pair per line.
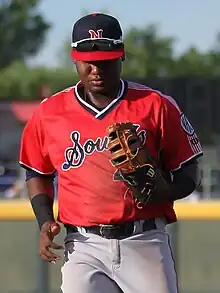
x,y
125,229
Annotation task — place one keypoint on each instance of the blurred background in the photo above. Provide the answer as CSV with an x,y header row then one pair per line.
x,y
172,46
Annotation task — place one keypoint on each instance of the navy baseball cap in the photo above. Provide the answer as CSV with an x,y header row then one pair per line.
x,y
97,37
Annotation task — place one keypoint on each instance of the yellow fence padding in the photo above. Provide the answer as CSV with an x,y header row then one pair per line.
x,y
21,210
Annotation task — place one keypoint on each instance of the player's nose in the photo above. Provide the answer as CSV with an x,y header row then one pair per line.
x,y
94,69
97,68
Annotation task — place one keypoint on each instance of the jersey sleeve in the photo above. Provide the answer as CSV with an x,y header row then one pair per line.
x,y
33,148
179,141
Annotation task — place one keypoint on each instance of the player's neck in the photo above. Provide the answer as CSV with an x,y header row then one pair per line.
x,y
101,100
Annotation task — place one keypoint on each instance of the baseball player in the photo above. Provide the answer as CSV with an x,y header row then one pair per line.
x,y
123,153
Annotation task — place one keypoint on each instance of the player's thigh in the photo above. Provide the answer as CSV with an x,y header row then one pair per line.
x,y
86,280
85,276
147,264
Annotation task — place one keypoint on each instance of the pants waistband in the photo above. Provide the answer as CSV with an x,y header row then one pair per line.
x,y
125,229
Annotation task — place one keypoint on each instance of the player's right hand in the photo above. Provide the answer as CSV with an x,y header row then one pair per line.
x,y
48,231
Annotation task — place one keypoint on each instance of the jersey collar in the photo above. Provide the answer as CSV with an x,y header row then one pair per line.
x,y
100,113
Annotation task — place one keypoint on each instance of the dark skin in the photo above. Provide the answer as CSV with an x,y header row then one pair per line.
x,y
101,84
50,229
100,79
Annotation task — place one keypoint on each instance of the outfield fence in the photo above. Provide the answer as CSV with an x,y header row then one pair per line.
x,y
195,240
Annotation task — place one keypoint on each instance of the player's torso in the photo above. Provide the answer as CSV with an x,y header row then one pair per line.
x,y
77,144
77,138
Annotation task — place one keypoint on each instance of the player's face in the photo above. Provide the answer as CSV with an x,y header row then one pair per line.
x,y
101,77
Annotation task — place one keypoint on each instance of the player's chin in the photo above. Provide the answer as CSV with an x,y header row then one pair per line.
x,y
98,89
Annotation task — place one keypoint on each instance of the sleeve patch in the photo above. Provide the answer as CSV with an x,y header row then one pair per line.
x,y
186,125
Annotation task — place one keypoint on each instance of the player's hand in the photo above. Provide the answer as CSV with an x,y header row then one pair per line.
x,y
48,231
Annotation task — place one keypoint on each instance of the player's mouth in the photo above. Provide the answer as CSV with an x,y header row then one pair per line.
x,y
97,82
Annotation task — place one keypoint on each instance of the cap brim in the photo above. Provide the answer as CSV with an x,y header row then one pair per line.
x,y
97,55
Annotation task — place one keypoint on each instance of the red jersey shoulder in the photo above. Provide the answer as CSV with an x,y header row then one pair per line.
x,y
150,96
139,91
58,102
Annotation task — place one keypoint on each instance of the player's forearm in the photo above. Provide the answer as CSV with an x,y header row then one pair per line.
x,y
40,184
41,194
185,181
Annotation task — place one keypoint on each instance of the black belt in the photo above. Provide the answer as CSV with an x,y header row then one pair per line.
x,y
114,231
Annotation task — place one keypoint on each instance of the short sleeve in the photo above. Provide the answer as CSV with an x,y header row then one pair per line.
x,y
179,141
33,148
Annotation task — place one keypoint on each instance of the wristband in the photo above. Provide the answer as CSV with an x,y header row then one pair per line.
x,y
42,206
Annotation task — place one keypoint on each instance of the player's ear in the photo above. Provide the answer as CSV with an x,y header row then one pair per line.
x,y
74,61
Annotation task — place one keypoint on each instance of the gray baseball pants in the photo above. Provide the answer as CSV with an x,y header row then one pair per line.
x,y
141,263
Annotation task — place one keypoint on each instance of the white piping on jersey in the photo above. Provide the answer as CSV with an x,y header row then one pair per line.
x,y
64,91
187,160
44,100
137,86
38,171
99,113
196,149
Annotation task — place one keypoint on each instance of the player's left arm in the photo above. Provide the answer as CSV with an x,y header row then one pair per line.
x,y
185,180
180,148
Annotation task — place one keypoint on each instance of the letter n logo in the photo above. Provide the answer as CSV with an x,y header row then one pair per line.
x,y
96,34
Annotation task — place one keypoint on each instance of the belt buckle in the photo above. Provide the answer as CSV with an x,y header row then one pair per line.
x,y
102,229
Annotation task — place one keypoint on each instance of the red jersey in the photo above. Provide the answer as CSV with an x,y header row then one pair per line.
x,y
69,136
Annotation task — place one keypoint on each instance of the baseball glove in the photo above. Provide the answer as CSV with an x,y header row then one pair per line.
x,y
134,165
